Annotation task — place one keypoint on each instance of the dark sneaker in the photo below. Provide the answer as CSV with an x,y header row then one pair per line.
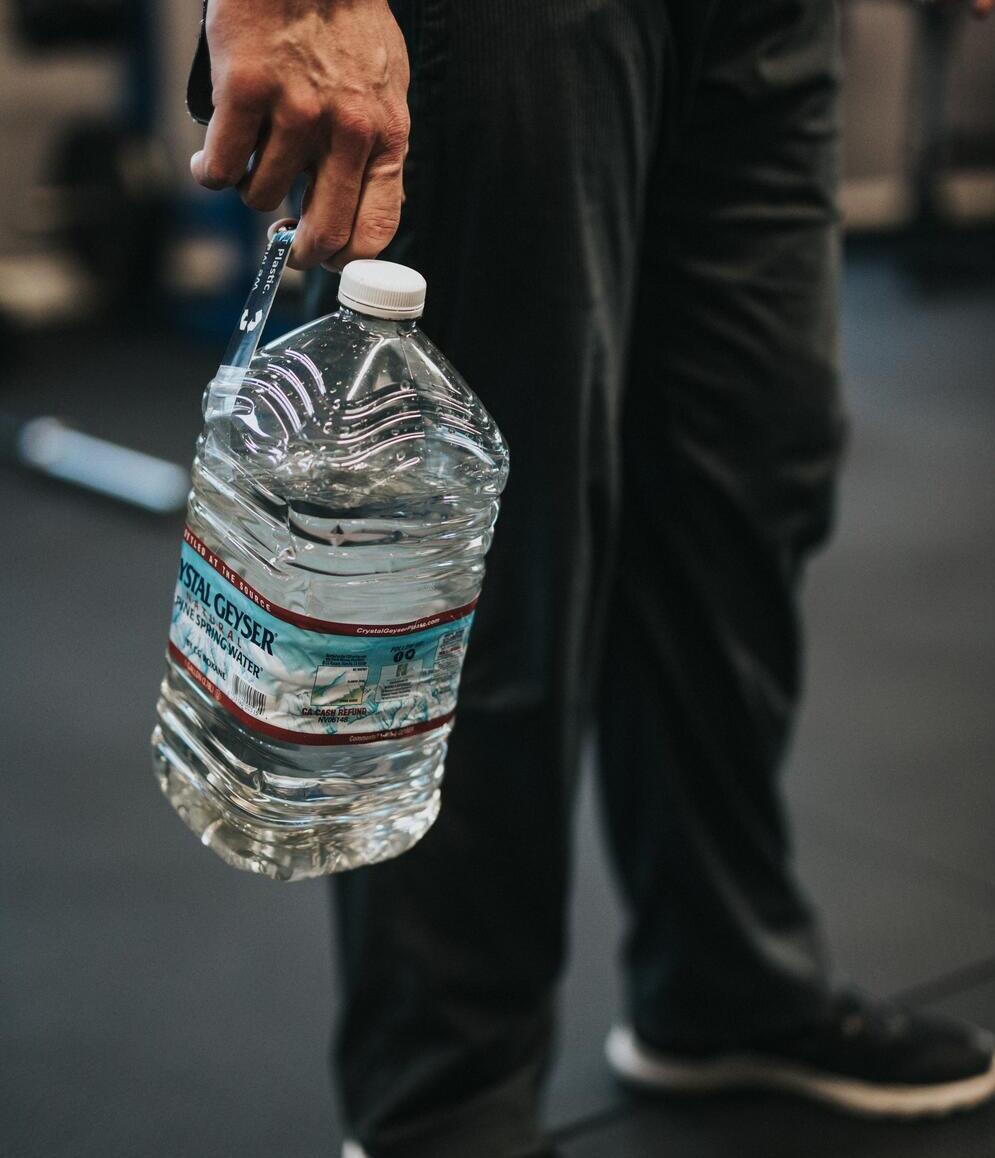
x,y
865,1058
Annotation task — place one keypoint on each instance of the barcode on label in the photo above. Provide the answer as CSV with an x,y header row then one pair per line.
x,y
248,695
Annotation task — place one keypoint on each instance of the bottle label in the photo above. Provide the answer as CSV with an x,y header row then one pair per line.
x,y
306,680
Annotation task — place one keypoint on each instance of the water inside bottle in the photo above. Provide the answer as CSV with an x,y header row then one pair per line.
x,y
351,479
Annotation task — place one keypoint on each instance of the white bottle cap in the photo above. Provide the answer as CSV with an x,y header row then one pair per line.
x,y
383,289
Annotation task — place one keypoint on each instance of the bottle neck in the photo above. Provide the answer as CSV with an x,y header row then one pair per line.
x,y
378,325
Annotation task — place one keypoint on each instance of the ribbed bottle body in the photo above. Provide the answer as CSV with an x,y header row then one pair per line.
x,y
343,501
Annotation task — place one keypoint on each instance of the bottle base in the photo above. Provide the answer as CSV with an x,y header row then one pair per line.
x,y
280,851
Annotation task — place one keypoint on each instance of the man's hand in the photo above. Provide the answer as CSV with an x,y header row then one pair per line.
x,y
316,87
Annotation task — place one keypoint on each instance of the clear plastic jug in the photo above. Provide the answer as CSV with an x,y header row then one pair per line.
x,y
345,490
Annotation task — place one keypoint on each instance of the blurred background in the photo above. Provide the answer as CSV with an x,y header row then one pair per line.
x,y
157,1002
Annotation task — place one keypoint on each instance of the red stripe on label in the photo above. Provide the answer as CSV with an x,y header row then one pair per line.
x,y
286,734
328,626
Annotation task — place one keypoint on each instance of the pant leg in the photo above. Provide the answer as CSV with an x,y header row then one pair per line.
x,y
533,130
731,433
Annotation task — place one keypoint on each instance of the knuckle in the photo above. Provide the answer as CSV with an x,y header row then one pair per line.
x,y
328,239
388,166
242,87
356,124
379,228
396,130
297,112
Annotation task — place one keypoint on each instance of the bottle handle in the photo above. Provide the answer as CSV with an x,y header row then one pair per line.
x,y
244,340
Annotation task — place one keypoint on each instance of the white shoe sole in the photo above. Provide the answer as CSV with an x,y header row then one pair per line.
x,y
352,1149
637,1064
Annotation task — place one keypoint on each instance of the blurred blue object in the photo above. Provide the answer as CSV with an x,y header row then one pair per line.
x,y
47,445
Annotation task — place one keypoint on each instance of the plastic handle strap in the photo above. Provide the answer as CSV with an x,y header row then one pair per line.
x,y
244,340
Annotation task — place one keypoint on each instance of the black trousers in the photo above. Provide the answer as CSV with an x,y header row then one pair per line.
x,y
625,213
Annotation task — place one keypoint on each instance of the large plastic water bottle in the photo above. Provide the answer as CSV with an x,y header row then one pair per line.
x,y
344,495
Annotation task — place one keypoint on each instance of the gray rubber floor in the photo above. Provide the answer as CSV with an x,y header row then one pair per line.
x,y
156,1002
